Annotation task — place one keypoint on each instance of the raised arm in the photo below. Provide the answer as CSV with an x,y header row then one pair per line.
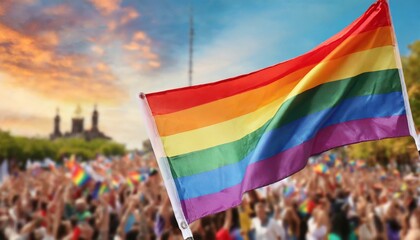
x,y
228,220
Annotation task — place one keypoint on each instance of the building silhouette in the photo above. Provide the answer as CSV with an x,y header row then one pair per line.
x,y
77,127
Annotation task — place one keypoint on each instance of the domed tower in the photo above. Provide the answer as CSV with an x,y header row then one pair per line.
x,y
56,132
77,121
95,119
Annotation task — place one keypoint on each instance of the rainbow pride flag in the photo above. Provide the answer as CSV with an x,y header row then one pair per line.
x,y
306,207
320,168
100,188
79,176
71,162
288,191
216,141
129,183
339,177
115,182
137,177
338,163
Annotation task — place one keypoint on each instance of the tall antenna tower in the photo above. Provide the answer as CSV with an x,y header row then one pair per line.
x,y
190,65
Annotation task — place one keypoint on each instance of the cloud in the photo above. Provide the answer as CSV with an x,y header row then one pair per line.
x,y
22,123
36,65
106,7
97,50
59,10
127,15
69,51
74,52
19,118
48,38
140,53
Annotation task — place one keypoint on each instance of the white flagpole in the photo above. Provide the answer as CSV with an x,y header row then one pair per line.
x,y
397,55
164,168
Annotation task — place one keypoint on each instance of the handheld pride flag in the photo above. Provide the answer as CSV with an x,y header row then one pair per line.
x,y
306,207
215,141
320,168
137,177
338,177
71,162
130,183
79,176
288,191
100,188
360,163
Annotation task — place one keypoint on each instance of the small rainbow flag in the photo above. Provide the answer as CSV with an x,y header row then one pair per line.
x,y
104,188
306,207
288,191
79,176
321,168
71,162
338,163
338,177
360,163
100,188
129,183
115,183
137,177
303,208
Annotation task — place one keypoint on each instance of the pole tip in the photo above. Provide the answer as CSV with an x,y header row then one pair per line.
x,y
142,95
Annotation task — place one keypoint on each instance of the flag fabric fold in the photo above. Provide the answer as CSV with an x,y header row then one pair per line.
x,y
222,139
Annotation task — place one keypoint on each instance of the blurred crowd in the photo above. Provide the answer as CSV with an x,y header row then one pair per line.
x,y
124,198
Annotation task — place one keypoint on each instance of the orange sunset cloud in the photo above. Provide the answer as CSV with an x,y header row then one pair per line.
x,y
106,7
33,63
50,54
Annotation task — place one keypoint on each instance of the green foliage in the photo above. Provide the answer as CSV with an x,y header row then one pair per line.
x,y
411,66
399,149
8,146
110,149
23,148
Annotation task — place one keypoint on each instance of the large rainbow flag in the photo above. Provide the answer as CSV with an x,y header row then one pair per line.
x,y
216,141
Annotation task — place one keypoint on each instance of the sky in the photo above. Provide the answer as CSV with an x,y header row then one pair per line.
x,y
64,53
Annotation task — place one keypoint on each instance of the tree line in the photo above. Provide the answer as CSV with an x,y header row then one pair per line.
x,y
24,148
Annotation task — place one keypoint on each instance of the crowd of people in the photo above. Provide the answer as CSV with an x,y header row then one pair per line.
x,y
329,199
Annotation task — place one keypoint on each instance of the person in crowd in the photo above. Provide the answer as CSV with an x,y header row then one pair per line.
x,y
266,228
414,226
289,221
345,202
317,225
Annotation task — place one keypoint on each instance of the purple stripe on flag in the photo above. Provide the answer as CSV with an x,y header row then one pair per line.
x,y
294,159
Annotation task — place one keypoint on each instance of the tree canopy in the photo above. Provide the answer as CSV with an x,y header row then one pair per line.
x,y
23,148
